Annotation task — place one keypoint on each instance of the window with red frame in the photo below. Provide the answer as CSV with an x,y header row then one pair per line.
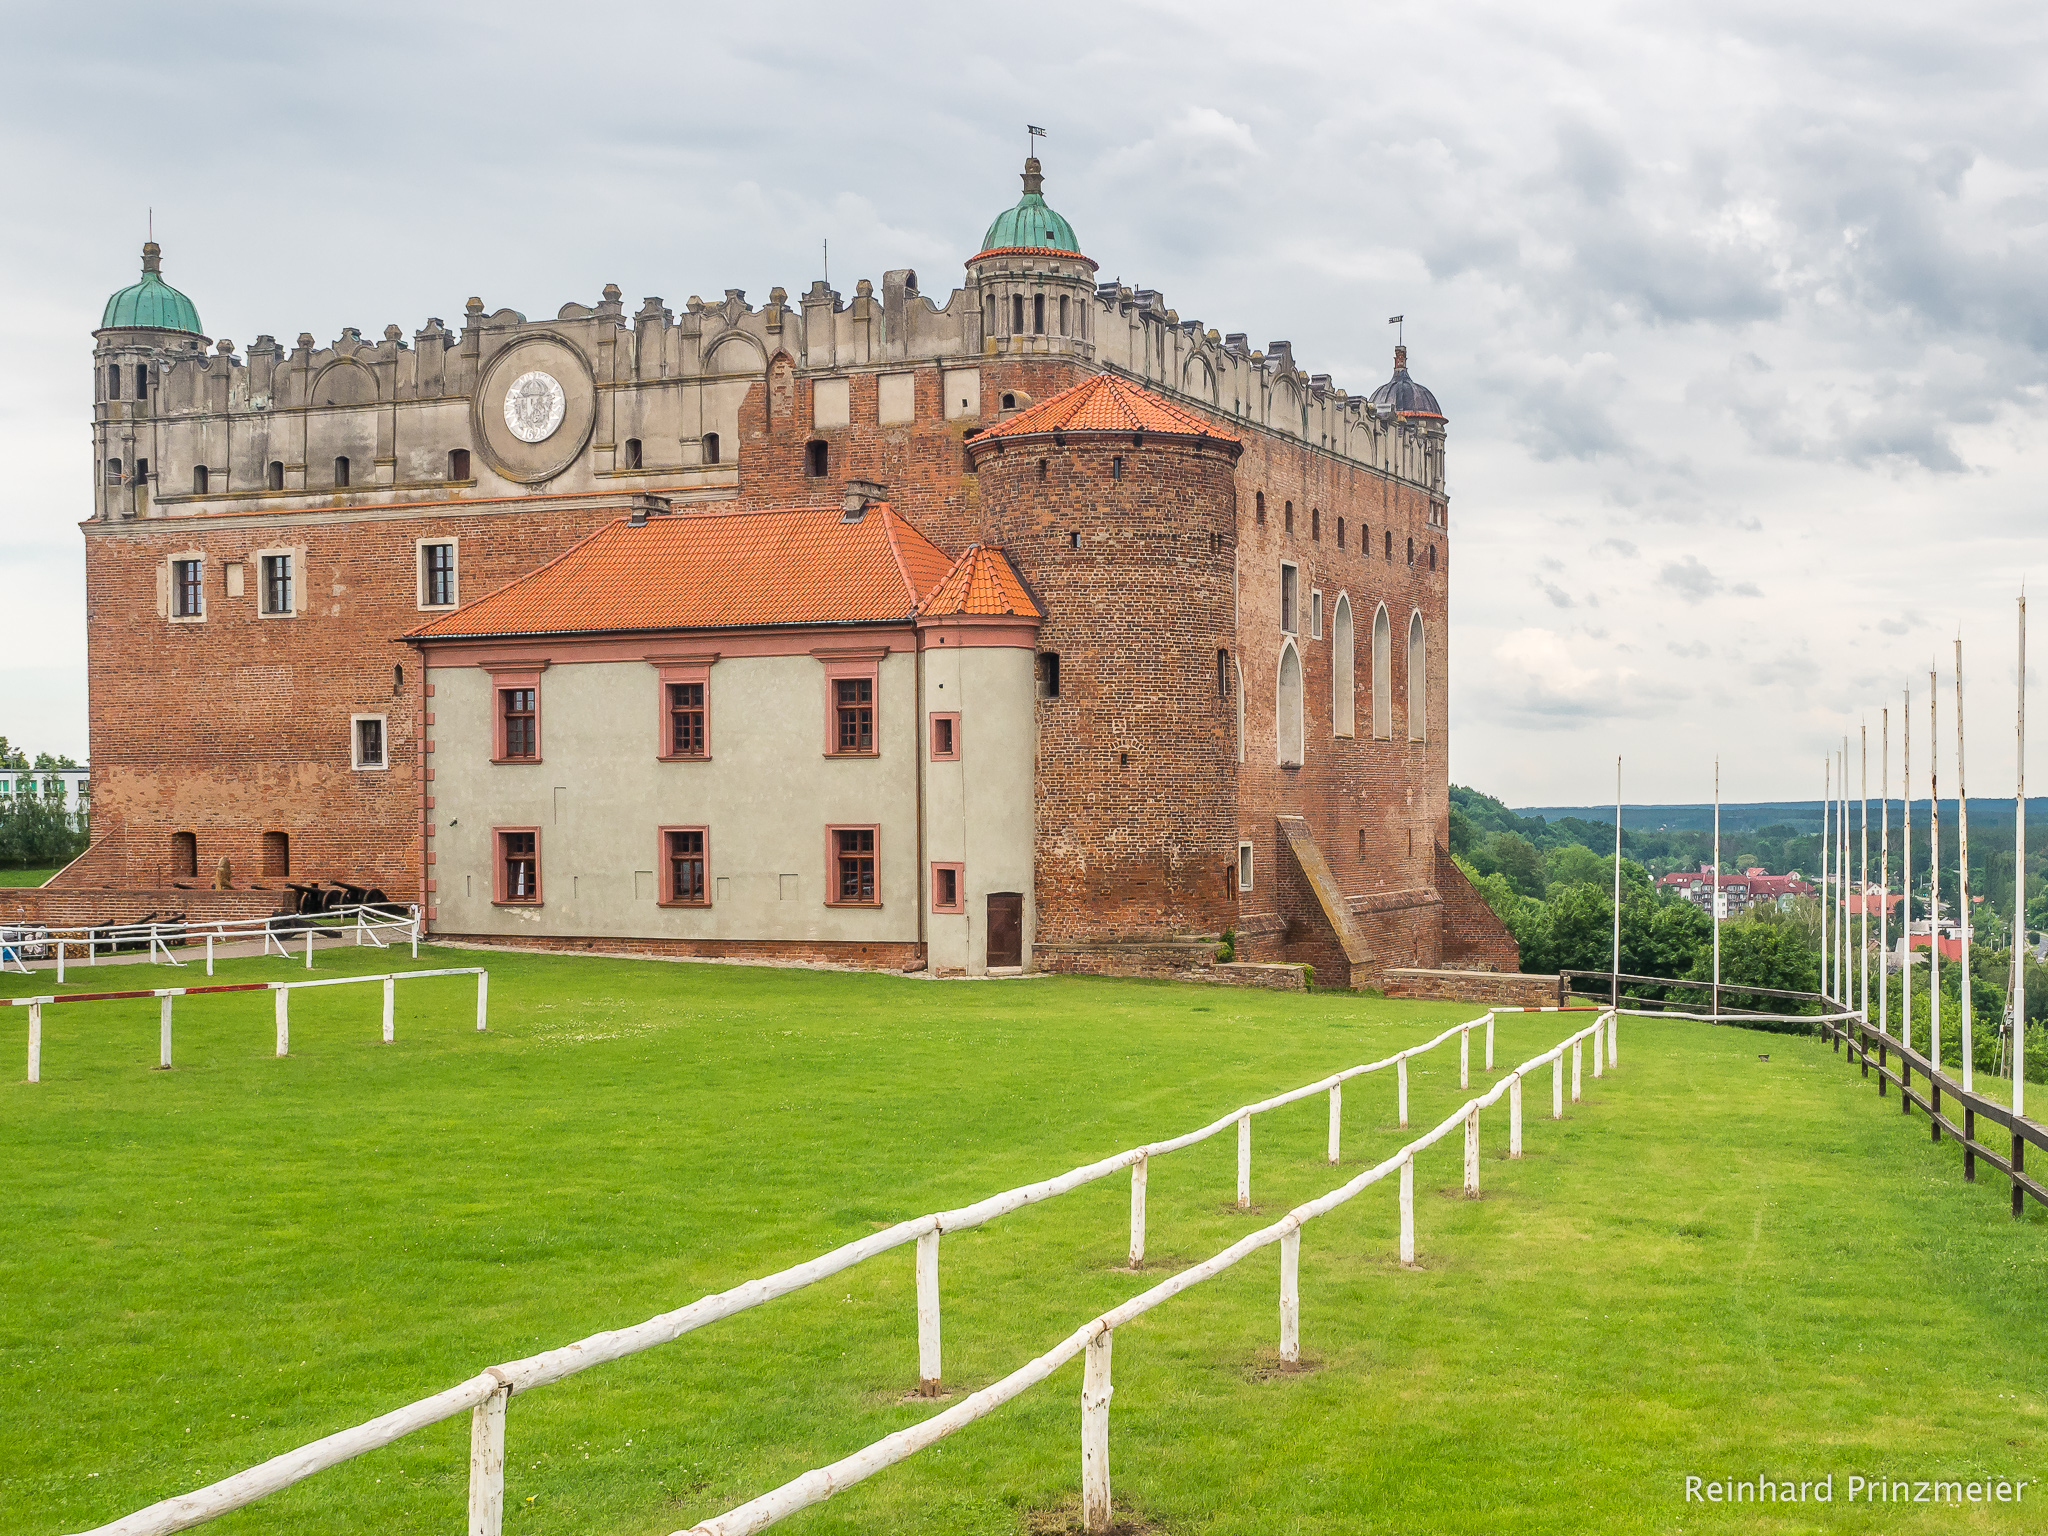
x,y
520,734
520,854
686,719
686,884
853,702
949,893
853,855
945,738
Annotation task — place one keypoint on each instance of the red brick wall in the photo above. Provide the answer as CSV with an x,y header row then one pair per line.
x,y
1136,772
1472,934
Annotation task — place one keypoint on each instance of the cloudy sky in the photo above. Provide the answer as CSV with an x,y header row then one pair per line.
x,y
1739,311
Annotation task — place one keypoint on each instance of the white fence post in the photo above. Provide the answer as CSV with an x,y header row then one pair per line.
x,y
284,1021
1489,1039
928,1315
1290,1295
390,1009
163,1031
35,1042
1096,1392
1408,1209
1599,1051
209,954
487,1465
1244,1162
1401,1093
1465,1057
309,946
60,963
1515,1115
415,931
1472,1153
1138,1210
1613,1041
1336,1118
1575,1070
483,993
1557,1087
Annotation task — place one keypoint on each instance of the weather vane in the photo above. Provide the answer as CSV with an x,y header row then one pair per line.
x,y
1034,133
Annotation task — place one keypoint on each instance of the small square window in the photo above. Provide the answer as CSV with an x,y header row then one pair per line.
x,y
946,738
949,888
368,741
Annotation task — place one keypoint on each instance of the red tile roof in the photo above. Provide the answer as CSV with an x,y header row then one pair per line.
x,y
1029,250
980,583
1106,403
718,570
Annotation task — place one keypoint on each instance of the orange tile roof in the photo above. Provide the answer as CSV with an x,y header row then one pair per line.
x,y
1106,403
981,582
1031,250
719,570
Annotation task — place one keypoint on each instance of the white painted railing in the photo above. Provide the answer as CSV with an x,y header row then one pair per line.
x,y
484,1395
363,924
283,989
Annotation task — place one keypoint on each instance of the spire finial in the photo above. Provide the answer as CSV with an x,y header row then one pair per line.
x,y
1034,182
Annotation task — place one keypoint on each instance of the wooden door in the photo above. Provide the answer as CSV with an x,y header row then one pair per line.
x,y
1005,928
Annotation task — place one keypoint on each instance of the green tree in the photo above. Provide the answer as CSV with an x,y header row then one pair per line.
x,y
1517,858
1575,864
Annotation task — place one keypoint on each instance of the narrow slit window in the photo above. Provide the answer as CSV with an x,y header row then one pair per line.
x,y
710,447
113,381
1315,523
1222,674
1048,674
1259,508
1064,331
142,381
341,473
1038,314
1340,533
1289,599
1288,520
1017,314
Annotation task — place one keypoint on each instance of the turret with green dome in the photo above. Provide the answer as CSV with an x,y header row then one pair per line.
x,y
1031,225
150,304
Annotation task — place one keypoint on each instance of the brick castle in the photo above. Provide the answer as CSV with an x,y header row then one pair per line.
x,y
1239,571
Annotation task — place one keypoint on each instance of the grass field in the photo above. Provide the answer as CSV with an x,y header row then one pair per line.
x,y
1715,1265
25,876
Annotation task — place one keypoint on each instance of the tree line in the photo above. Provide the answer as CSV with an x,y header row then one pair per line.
x,y
36,831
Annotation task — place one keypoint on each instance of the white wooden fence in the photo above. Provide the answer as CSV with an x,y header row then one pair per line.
x,y
363,924
485,1395
283,990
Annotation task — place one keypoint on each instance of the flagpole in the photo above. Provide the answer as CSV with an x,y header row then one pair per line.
x,y
1863,895
1933,871
1827,838
1884,872
1906,873
1963,873
1716,909
1614,984
2019,905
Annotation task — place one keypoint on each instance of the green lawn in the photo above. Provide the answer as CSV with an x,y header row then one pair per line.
x,y
1716,1265
26,876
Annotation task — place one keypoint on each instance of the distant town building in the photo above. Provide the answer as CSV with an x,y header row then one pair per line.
x,y
1738,892
73,784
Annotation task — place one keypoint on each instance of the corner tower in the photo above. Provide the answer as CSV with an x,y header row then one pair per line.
x,y
1119,511
1034,285
140,326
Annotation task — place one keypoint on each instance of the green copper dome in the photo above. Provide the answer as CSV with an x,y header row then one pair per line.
x,y
1031,224
151,303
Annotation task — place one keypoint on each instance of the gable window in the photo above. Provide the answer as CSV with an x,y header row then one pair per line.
x,y
946,738
517,871
184,855
710,447
632,459
686,734
368,733
1289,599
277,584
817,458
437,574
458,464
1382,675
277,853
188,590
853,706
685,858
1315,615
949,888
273,476
853,867
519,723
341,473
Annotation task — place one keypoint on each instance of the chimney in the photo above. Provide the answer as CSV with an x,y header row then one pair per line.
x,y
859,494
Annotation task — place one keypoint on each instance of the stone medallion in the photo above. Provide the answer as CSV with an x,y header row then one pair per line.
x,y
534,407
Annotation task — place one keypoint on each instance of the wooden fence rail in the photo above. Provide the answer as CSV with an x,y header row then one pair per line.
x,y
484,1394
283,989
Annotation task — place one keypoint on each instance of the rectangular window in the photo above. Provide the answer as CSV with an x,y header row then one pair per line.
x,y
369,741
521,722
142,381
1244,866
853,706
1288,599
945,738
686,737
277,583
437,575
949,888
853,867
113,381
518,865
187,590
1315,615
685,859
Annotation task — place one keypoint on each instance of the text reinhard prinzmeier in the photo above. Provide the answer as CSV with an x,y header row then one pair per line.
x,y
1861,1490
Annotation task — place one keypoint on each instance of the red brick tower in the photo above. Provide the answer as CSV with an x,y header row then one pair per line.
x,y
1119,510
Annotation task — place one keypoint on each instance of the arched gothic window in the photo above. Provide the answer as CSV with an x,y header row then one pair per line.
x,y
1418,681
1382,675
1287,730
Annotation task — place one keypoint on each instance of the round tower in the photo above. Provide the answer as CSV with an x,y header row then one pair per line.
x,y
140,326
1119,511
1034,283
